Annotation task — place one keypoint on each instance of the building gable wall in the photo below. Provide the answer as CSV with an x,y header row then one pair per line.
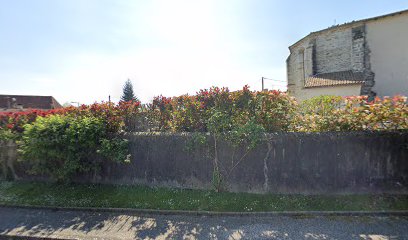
x,y
376,47
333,51
388,43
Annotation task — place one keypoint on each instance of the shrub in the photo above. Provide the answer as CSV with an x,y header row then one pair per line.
x,y
159,113
271,109
62,146
274,110
379,114
187,114
328,113
6,134
115,115
14,121
321,105
239,134
317,114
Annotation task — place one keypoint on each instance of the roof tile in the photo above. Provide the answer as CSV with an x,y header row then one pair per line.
x,y
335,79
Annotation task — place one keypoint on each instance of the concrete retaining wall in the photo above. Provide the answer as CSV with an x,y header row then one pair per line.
x,y
287,162
357,162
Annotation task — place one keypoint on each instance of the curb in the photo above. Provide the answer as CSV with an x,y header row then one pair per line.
x,y
215,214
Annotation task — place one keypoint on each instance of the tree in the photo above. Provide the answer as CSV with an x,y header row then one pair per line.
x,y
128,94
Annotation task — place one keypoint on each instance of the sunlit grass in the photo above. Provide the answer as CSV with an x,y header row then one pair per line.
x,y
140,197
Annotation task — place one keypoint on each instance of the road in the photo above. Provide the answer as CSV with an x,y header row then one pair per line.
x,y
110,225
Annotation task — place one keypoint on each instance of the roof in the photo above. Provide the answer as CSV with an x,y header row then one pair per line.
x,y
26,101
352,23
335,79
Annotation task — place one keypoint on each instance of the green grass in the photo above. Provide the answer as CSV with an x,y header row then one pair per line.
x,y
140,197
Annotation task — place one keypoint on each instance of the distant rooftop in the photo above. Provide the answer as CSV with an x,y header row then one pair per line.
x,y
27,101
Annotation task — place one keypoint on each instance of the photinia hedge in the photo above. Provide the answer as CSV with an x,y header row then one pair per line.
x,y
274,111
113,115
64,145
67,141
356,113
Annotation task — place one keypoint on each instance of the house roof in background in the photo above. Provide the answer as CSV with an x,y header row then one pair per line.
x,y
335,79
27,101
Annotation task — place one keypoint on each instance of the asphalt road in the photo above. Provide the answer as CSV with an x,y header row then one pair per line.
x,y
109,225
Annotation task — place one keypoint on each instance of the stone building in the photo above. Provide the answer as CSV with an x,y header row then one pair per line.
x,y
365,57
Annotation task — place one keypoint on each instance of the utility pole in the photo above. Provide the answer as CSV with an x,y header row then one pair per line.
x,y
274,81
77,103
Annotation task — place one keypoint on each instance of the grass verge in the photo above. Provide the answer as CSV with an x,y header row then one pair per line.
x,y
81,195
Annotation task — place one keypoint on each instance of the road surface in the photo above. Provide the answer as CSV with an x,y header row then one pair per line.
x,y
110,225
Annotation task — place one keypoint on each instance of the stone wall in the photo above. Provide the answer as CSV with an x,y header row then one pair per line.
x,y
337,49
358,49
334,51
376,47
357,162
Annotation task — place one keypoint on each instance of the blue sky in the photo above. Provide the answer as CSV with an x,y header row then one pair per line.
x,y
84,50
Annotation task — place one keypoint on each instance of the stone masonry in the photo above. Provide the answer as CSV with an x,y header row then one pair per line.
x,y
345,48
334,50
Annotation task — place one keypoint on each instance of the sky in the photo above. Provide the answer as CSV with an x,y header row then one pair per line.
x,y
84,50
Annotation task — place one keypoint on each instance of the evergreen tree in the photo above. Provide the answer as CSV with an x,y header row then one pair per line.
x,y
128,94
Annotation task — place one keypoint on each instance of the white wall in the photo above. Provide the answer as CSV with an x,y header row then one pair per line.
x,y
388,41
344,91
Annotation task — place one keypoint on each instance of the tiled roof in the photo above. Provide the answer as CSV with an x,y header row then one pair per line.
x,y
34,102
335,79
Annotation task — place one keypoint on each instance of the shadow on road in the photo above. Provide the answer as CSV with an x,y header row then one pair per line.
x,y
108,225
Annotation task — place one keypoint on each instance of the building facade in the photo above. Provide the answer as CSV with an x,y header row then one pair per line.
x,y
366,57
